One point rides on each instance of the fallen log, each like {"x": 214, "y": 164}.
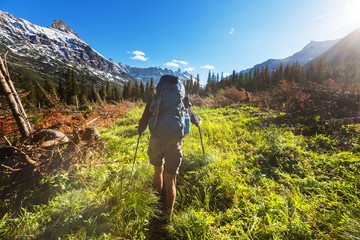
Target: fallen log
{"x": 8, "y": 89}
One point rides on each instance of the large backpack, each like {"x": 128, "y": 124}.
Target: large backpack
{"x": 167, "y": 124}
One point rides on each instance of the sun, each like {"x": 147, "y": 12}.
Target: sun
{"x": 351, "y": 13}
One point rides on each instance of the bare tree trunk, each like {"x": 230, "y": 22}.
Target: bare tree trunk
{"x": 14, "y": 101}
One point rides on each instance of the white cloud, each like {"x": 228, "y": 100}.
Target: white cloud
{"x": 172, "y": 64}
{"x": 324, "y": 16}
{"x": 232, "y": 30}
{"x": 181, "y": 62}
{"x": 139, "y": 56}
{"x": 176, "y": 63}
{"x": 208, "y": 67}
{"x": 139, "y": 53}
{"x": 189, "y": 69}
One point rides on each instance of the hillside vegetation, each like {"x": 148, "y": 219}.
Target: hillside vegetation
{"x": 265, "y": 182}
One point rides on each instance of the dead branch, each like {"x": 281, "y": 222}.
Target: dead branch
{"x": 7, "y": 140}
{"x": 9, "y": 168}
{"x": 7, "y": 87}
{"x": 46, "y": 94}
{"x": 27, "y": 157}
{"x": 90, "y": 122}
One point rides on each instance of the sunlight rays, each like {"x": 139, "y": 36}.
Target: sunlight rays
{"x": 350, "y": 13}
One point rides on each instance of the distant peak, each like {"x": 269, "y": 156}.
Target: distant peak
{"x": 326, "y": 44}
{"x": 62, "y": 26}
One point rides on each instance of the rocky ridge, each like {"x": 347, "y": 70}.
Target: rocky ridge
{"x": 57, "y": 46}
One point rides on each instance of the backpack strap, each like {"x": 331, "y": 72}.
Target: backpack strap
{"x": 158, "y": 106}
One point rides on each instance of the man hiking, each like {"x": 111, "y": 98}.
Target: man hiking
{"x": 165, "y": 115}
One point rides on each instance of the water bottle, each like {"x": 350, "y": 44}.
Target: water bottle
{"x": 187, "y": 124}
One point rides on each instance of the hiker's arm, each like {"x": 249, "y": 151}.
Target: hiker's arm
{"x": 194, "y": 118}
{"x": 145, "y": 118}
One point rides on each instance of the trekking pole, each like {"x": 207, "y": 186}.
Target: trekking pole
{"x": 202, "y": 145}
{"x": 132, "y": 170}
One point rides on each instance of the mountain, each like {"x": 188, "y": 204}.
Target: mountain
{"x": 346, "y": 50}
{"x": 63, "y": 27}
{"x": 54, "y": 49}
{"x": 308, "y": 53}
{"x": 145, "y": 74}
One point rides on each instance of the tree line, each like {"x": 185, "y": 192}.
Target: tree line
{"x": 265, "y": 79}
{"x": 72, "y": 88}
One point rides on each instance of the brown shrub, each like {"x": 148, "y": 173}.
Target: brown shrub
{"x": 235, "y": 95}
{"x": 196, "y": 100}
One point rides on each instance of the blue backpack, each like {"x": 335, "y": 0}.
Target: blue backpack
{"x": 167, "y": 124}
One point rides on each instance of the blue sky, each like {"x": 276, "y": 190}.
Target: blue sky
{"x": 220, "y": 35}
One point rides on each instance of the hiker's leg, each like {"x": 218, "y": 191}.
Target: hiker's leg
{"x": 156, "y": 155}
{"x": 158, "y": 177}
{"x": 170, "y": 185}
{"x": 173, "y": 158}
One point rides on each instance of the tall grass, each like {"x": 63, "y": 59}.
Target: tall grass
{"x": 264, "y": 183}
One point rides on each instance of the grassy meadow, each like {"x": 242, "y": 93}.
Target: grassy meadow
{"x": 265, "y": 181}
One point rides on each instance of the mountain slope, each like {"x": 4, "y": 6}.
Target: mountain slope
{"x": 308, "y": 53}
{"x": 145, "y": 74}
{"x": 348, "y": 49}
{"x": 53, "y": 49}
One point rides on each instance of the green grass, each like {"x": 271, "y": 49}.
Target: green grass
{"x": 265, "y": 183}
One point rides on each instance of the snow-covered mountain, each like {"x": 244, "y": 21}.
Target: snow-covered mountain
{"x": 145, "y": 74}
{"x": 58, "y": 47}
{"x": 308, "y": 53}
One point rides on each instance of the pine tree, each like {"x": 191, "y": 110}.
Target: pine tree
{"x": 72, "y": 88}
{"x": 95, "y": 97}
{"x": 31, "y": 96}
{"x": 47, "y": 84}
{"x": 197, "y": 85}
{"x": 233, "y": 79}
{"x": 68, "y": 86}
{"x": 116, "y": 94}
{"x": 267, "y": 78}
{"x": 250, "y": 76}
{"x": 61, "y": 89}
{"x": 135, "y": 91}
{"x": 147, "y": 92}
{"x": 46, "y": 96}
{"x": 287, "y": 72}
{"x": 281, "y": 72}
{"x": 84, "y": 92}
{"x": 152, "y": 87}
{"x": 50, "y": 89}
{"x": 39, "y": 96}
{"x": 126, "y": 90}
{"x": 102, "y": 92}
{"x": 74, "y": 84}
{"x": 255, "y": 79}
{"x": 241, "y": 82}
{"x": 208, "y": 87}
{"x": 320, "y": 71}
{"x": 246, "y": 78}
{"x": 142, "y": 91}
{"x": 20, "y": 81}
{"x": 108, "y": 92}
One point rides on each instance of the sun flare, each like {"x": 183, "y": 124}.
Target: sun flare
{"x": 351, "y": 12}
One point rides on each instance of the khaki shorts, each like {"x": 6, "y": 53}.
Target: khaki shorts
{"x": 168, "y": 154}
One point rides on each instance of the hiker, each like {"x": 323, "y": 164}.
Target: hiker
{"x": 165, "y": 116}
